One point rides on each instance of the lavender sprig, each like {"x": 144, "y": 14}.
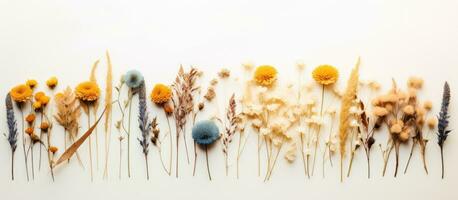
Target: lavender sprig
{"x": 144, "y": 125}
{"x": 443, "y": 118}
{"x": 12, "y": 130}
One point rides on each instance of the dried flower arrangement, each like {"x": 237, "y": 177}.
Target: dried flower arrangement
{"x": 283, "y": 121}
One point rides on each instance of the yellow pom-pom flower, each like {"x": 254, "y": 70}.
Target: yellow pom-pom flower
{"x": 52, "y": 82}
{"x": 21, "y": 93}
{"x": 42, "y": 98}
{"x": 325, "y": 74}
{"x": 161, "y": 94}
{"x": 36, "y": 105}
{"x": 87, "y": 91}
{"x": 31, "y": 83}
{"x": 265, "y": 75}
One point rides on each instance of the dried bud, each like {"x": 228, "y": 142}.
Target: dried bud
{"x": 168, "y": 108}
{"x": 44, "y": 126}
{"x": 201, "y": 106}
{"x": 53, "y": 149}
{"x": 30, "y": 118}
{"x": 210, "y": 94}
{"x": 29, "y": 131}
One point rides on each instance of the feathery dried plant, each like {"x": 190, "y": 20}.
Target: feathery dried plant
{"x": 183, "y": 103}
{"x": 12, "y": 130}
{"x": 443, "y": 131}
{"x": 67, "y": 115}
{"x": 108, "y": 113}
{"x": 144, "y": 124}
{"x": 347, "y": 101}
{"x": 230, "y": 129}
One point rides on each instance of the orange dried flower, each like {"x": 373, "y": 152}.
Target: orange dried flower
{"x": 87, "y": 91}
{"x": 52, "y": 82}
{"x": 29, "y": 131}
{"x": 21, "y": 93}
{"x": 161, "y": 94}
{"x": 265, "y": 75}
{"x": 31, "y": 83}
{"x": 53, "y": 149}
{"x": 325, "y": 74}
{"x": 30, "y": 118}
{"x": 44, "y": 126}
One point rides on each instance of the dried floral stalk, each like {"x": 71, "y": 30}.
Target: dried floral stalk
{"x": 443, "y": 131}
{"x": 12, "y": 130}
{"x": 95, "y": 106}
{"x": 108, "y": 114}
{"x": 144, "y": 125}
{"x": 347, "y": 101}
{"x": 183, "y": 88}
{"x": 156, "y": 141}
{"x": 230, "y": 129}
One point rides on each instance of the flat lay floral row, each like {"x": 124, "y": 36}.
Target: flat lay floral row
{"x": 286, "y": 120}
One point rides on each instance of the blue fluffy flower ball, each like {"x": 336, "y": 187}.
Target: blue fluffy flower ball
{"x": 133, "y": 78}
{"x": 205, "y": 132}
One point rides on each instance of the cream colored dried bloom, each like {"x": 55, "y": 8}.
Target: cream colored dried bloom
{"x": 291, "y": 153}
{"x": 264, "y": 131}
{"x": 373, "y": 85}
{"x": 248, "y": 66}
{"x": 300, "y": 65}
{"x": 396, "y": 128}
{"x": 214, "y": 82}
{"x": 354, "y": 123}
{"x": 431, "y": 122}
{"x": 224, "y": 73}
{"x": 210, "y": 95}
{"x": 380, "y": 111}
{"x": 415, "y": 82}
{"x": 408, "y": 110}
{"x": 428, "y": 105}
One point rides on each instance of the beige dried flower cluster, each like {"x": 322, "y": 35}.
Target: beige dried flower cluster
{"x": 272, "y": 115}
{"x": 404, "y": 115}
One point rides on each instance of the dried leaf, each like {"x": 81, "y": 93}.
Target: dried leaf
{"x": 74, "y": 147}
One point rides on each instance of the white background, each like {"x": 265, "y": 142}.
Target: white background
{"x": 395, "y": 39}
